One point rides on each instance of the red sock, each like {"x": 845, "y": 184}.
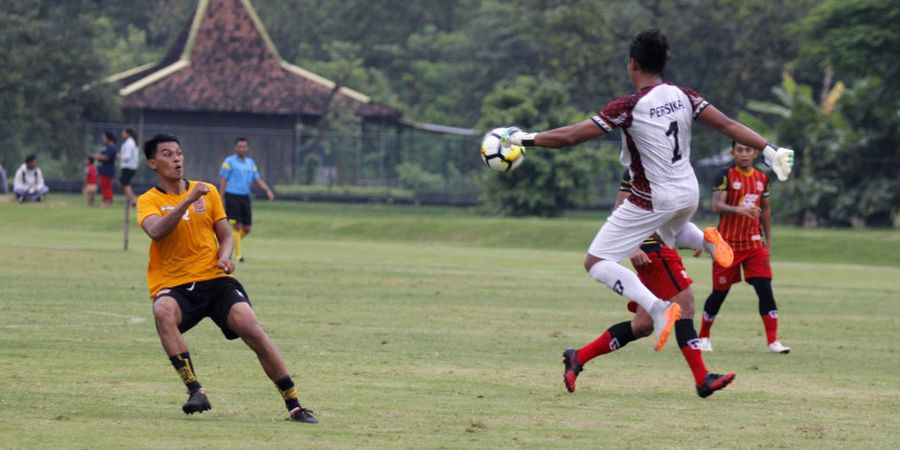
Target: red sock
{"x": 614, "y": 338}
{"x": 694, "y": 358}
{"x": 705, "y": 326}
{"x": 770, "y": 322}
{"x": 600, "y": 346}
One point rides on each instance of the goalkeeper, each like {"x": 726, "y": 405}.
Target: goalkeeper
{"x": 656, "y": 122}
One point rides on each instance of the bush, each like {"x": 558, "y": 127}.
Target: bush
{"x": 550, "y": 180}
{"x": 413, "y": 177}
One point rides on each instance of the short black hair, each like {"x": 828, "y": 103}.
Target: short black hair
{"x": 110, "y": 136}
{"x": 30, "y": 158}
{"x": 131, "y": 133}
{"x": 89, "y": 158}
{"x": 734, "y": 146}
{"x": 151, "y": 145}
{"x": 241, "y": 139}
{"x": 650, "y": 49}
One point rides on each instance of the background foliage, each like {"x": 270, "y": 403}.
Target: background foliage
{"x": 448, "y": 61}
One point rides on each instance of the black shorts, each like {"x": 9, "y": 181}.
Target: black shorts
{"x": 127, "y": 175}
{"x": 237, "y": 208}
{"x": 211, "y": 298}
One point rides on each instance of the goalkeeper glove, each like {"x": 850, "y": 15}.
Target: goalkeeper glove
{"x": 781, "y": 160}
{"x": 515, "y": 136}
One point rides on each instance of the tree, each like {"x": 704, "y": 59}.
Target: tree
{"x": 549, "y": 181}
{"x": 46, "y": 81}
{"x": 857, "y": 38}
{"x": 831, "y": 182}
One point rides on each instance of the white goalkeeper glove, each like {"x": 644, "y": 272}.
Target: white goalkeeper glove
{"x": 781, "y": 160}
{"x": 515, "y": 136}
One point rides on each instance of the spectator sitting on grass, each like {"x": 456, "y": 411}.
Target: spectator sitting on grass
{"x": 29, "y": 182}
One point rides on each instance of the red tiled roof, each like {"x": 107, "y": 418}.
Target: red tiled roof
{"x": 225, "y": 62}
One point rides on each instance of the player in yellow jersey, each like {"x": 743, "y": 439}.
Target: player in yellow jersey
{"x": 188, "y": 275}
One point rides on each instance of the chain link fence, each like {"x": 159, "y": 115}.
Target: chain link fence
{"x": 399, "y": 165}
{"x": 395, "y": 164}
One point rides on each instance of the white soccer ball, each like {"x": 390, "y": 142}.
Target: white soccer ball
{"x": 498, "y": 157}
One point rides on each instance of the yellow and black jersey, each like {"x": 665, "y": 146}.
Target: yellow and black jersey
{"x": 190, "y": 252}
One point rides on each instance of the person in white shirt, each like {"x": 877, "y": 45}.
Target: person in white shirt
{"x": 29, "y": 181}
{"x": 128, "y": 158}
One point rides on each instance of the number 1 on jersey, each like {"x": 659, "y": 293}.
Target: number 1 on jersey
{"x": 673, "y": 131}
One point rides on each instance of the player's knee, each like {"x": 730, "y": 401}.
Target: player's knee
{"x": 242, "y": 321}
{"x": 589, "y": 262}
{"x": 250, "y": 332}
{"x": 165, "y": 311}
{"x": 246, "y": 230}
{"x": 685, "y": 299}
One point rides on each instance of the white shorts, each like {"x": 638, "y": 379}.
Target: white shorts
{"x": 629, "y": 225}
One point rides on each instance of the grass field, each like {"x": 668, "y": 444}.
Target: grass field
{"x": 434, "y": 328}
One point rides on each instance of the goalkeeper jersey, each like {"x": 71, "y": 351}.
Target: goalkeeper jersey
{"x": 656, "y": 132}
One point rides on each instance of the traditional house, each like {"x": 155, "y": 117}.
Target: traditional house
{"x": 222, "y": 78}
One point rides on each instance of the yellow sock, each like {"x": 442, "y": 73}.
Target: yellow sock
{"x": 236, "y": 252}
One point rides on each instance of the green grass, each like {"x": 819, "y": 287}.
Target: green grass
{"x": 343, "y": 190}
{"x": 433, "y": 328}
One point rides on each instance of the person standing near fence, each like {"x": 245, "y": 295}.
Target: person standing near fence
{"x": 236, "y": 178}
{"x": 128, "y": 159}
{"x": 107, "y": 169}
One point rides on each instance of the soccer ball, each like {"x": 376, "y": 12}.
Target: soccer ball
{"x": 498, "y": 157}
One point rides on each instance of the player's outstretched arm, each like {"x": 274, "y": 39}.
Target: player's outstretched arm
{"x": 738, "y": 132}
{"x": 158, "y": 227}
{"x": 780, "y": 159}
{"x": 566, "y": 136}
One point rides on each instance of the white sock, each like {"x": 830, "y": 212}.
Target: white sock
{"x": 625, "y": 283}
{"x": 690, "y": 236}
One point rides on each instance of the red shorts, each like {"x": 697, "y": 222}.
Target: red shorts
{"x": 755, "y": 262}
{"x": 106, "y": 188}
{"x": 665, "y": 275}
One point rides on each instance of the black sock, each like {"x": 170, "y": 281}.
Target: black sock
{"x": 288, "y": 392}
{"x": 685, "y": 332}
{"x": 622, "y": 333}
{"x": 714, "y": 302}
{"x": 763, "y": 287}
{"x": 185, "y": 369}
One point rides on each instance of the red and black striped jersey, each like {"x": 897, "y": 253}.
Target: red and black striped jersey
{"x": 742, "y": 189}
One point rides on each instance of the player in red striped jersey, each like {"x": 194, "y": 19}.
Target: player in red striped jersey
{"x": 741, "y": 197}
{"x": 660, "y": 268}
